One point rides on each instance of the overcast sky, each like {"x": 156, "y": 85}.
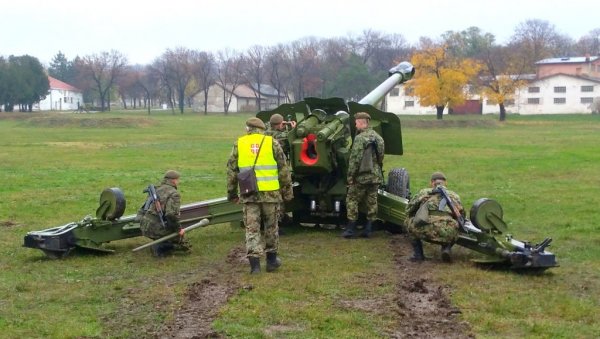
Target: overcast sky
{"x": 143, "y": 29}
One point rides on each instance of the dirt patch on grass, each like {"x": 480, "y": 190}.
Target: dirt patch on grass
{"x": 8, "y": 223}
{"x": 89, "y": 122}
{"x": 424, "y": 308}
{"x": 204, "y": 299}
{"x": 420, "y": 305}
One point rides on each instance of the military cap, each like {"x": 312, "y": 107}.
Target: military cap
{"x": 276, "y": 119}
{"x": 172, "y": 174}
{"x": 362, "y": 115}
{"x": 438, "y": 176}
{"x": 255, "y": 122}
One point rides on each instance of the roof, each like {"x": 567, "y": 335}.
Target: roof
{"x": 57, "y": 84}
{"x": 567, "y": 60}
{"x": 582, "y": 77}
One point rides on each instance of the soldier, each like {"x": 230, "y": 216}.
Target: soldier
{"x": 278, "y": 129}
{"x": 427, "y": 221}
{"x": 170, "y": 203}
{"x": 364, "y": 174}
{"x": 259, "y": 151}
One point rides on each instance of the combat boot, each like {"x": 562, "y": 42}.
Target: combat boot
{"x": 366, "y": 233}
{"x": 418, "y": 255}
{"x": 446, "y": 252}
{"x": 254, "y": 265}
{"x": 349, "y": 232}
{"x": 273, "y": 262}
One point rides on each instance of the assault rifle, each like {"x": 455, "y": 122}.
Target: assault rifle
{"x": 154, "y": 200}
{"x": 447, "y": 201}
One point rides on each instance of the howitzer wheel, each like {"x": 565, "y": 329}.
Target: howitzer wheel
{"x": 399, "y": 182}
{"x": 487, "y": 215}
{"x": 112, "y": 204}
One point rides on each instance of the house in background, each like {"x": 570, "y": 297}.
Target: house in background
{"x": 243, "y": 99}
{"x": 560, "y": 85}
{"x": 61, "y": 97}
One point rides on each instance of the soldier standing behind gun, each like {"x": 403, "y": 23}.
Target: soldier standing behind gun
{"x": 272, "y": 173}
{"x": 278, "y": 129}
{"x": 364, "y": 174}
{"x": 429, "y": 218}
{"x": 170, "y": 203}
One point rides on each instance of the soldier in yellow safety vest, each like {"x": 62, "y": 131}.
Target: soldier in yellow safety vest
{"x": 259, "y": 152}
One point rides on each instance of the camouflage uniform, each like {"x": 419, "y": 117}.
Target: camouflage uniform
{"x": 170, "y": 201}
{"x": 442, "y": 228}
{"x": 362, "y": 186}
{"x": 282, "y": 139}
{"x": 261, "y": 206}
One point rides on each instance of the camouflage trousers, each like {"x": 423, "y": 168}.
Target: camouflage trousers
{"x": 254, "y": 214}
{"x": 439, "y": 230}
{"x": 152, "y": 228}
{"x": 365, "y": 193}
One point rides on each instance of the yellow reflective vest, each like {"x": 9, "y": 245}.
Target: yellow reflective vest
{"x": 267, "y": 176}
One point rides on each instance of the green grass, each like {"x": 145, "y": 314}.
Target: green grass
{"x": 543, "y": 170}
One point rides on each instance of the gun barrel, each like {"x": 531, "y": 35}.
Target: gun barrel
{"x": 200, "y": 223}
{"x": 397, "y": 75}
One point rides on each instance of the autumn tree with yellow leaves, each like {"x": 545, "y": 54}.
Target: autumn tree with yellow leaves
{"x": 502, "y": 76}
{"x": 441, "y": 79}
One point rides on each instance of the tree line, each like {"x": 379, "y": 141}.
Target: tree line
{"x": 347, "y": 67}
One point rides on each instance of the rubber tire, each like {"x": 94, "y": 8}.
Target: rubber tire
{"x": 399, "y": 183}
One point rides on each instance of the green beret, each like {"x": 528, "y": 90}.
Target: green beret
{"x": 362, "y": 115}
{"x": 276, "y": 119}
{"x": 171, "y": 174}
{"x": 438, "y": 176}
{"x": 256, "y": 123}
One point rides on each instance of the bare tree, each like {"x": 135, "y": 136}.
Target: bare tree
{"x": 590, "y": 43}
{"x": 204, "y": 74}
{"x": 277, "y": 67}
{"x": 178, "y": 66}
{"x": 104, "y": 69}
{"x": 255, "y": 69}
{"x": 304, "y": 55}
{"x": 536, "y": 40}
{"x": 229, "y": 74}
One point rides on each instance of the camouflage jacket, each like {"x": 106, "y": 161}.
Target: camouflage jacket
{"x": 282, "y": 138}
{"x": 425, "y": 196}
{"x": 361, "y": 141}
{"x": 170, "y": 202}
{"x": 285, "y": 180}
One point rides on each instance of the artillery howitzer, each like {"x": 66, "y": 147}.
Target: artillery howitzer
{"x": 319, "y": 152}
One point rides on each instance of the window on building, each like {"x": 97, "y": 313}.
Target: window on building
{"x": 587, "y": 88}
{"x": 533, "y": 101}
{"x": 66, "y": 100}
{"x": 409, "y": 103}
{"x": 490, "y": 102}
{"x": 509, "y": 102}
{"x": 395, "y": 92}
{"x": 587, "y": 100}
{"x": 560, "y": 100}
{"x": 560, "y": 89}
{"x": 533, "y": 89}
{"x": 408, "y": 91}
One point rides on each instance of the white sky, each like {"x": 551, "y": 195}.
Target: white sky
{"x": 143, "y": 29}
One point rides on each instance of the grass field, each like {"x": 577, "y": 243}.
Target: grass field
{"x": 543, "y": 170}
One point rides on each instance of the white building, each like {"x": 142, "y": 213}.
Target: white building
{"x": 561, "y": 86}
{"x": 61, "y": 97}
{"x": 243, "y": 99}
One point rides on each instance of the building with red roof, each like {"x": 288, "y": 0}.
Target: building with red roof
{"x": 61, "y": 97}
